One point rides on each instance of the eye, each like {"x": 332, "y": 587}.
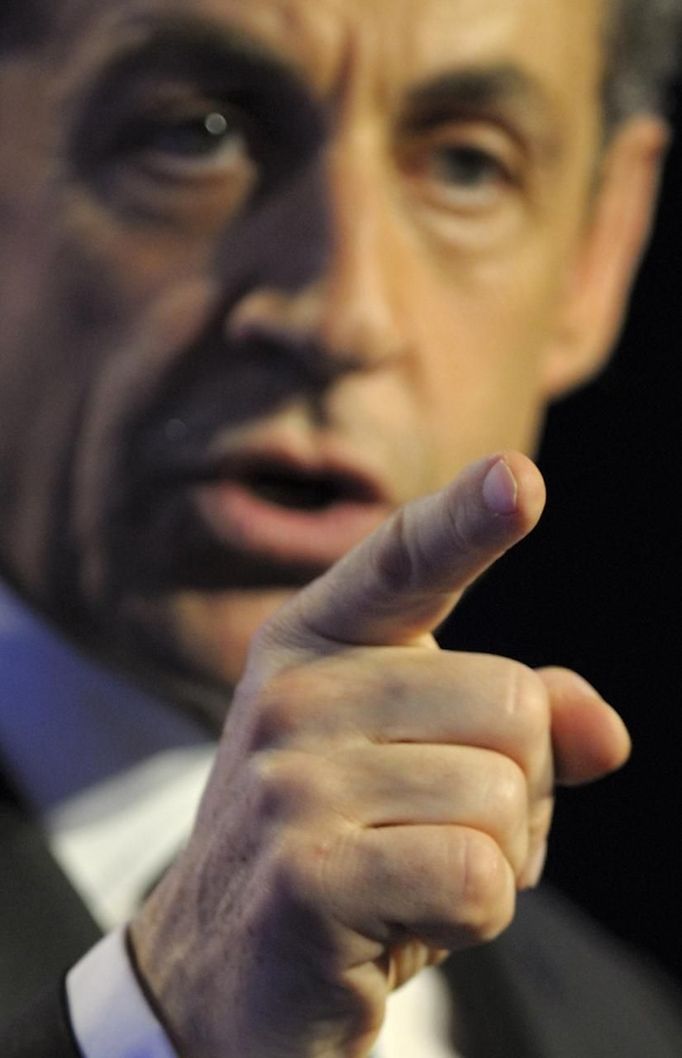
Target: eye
{"x": 465, "y": 167}
{"x": 190, "y": 139}
{"x": 470, "y": 169}
{"x": 212, "y": 139}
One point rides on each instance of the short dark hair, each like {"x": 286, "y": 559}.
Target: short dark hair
{"x": 642, "y": 56}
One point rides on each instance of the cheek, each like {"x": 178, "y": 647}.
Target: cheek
{"x": 120, "y": 267}
{"x": 92, "y": 319}
{"x": 129, "y": 300}
{"x": 481, "y": 337}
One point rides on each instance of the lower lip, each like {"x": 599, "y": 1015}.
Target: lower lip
{"x": 241, "y": 520}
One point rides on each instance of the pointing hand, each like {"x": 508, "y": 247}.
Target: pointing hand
{"x": 375, "y": 801}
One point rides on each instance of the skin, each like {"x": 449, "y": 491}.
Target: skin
{"x": 425, "y": 245}
{"x": 423, "y": 304}
{"x": 375, "y": 802}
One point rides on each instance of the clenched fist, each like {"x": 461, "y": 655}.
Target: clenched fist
{"x": 375, "y": 801}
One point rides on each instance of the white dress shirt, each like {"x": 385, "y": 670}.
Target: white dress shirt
{"x": 117, "y": 776}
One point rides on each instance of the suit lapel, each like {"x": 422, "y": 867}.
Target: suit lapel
{"x": 44, "y": 926}
{"x": 488, "y": 1021}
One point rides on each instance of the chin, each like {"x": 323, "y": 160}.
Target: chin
{"x": 189, "y": 647}
{"x": 215, "y": 630}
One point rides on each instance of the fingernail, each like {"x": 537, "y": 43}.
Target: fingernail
{"x": 500, "y": 489}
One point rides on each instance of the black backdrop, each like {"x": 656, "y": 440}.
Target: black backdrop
{"x": 597, "y": 587}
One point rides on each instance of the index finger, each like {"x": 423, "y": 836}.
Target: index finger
{"x": 403, "y": 580}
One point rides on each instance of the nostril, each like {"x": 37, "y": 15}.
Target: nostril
{"x": 317, "y": 364}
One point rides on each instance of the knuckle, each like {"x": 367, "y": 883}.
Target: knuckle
{"x": 487, "y": 887}
{"x": 283, "y": 706}
{"x": 327, "y": 868}
{"x": 295, "y": 874}
{"x": 482, "y": 868}
{"x": 510, "y": 797}
{"x": 527, "y": 704}
{"x": 296, "y": 860}
{"x": 288, "y": 784}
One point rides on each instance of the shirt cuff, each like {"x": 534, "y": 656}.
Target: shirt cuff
{"x": 110, "y": 1016}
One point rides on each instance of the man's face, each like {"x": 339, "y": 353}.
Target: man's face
{"x": 269, "y": 269}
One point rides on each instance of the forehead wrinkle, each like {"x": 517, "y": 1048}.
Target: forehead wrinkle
{"x": 367, "y": 61}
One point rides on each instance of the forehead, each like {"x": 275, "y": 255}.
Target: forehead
{"x": 382, "y": 44}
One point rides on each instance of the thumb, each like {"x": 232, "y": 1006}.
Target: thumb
{"x": 402, "y": 581}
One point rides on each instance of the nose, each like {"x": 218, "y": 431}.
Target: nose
{"x": 341, "y": 313}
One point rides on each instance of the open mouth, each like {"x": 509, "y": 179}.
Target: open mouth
{"x": 302, "y": 491}
{"x": 278, "y": 508}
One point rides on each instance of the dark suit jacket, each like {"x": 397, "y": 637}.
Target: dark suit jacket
{"x": 44, "y": 929}
{"x": 553, "y": 986}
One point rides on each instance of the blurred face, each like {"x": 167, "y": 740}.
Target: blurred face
{"x": 270, "y": 268}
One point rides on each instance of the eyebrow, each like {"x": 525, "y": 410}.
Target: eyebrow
{"x": 173, "y": 38}
{"x": 184, "y": 45}
{"x": 221, "y": 58}
{"x": 504, "y": 88}
{"x": 181, "y": 44}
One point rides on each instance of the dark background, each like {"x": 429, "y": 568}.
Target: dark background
{"x": 597, "y": 587}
